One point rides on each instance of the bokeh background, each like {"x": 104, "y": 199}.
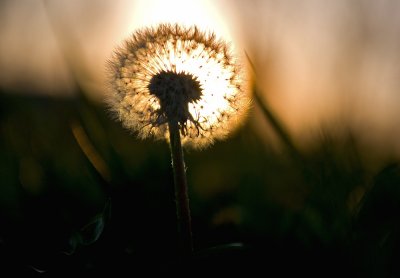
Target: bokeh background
{"x": 310, "y": 182}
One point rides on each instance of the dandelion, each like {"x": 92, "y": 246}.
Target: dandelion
{"x": 182, "y": 85}
{"x": 176, "y": 73}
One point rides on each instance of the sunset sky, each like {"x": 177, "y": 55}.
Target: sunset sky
{"x": 317, "y": 62}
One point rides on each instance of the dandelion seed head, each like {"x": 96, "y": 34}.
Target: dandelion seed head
{"x": 173, "y": 73}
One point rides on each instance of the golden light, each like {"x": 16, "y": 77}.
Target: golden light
{"x": 212, "y": 74}
{"x": 181, "y": 73}
{"x": 201, "y": 13}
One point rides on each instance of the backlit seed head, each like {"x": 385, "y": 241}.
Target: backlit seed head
{"x": 172, "y": 73}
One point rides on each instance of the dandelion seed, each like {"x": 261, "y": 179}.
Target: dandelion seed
{"x": 171, "y": 73}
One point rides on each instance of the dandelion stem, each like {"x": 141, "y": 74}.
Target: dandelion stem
{"x": 181, "y": 191}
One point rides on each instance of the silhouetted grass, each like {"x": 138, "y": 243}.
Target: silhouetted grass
{"x": 337, "y": 215}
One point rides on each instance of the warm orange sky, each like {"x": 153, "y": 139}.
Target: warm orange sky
{"x": 33, "y": 31}
{"x": 317, "y": 61}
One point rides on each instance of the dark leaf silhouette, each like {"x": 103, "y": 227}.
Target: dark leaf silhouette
{"x": 90, "y": 232}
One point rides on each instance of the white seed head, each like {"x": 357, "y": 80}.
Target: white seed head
{"x": 173, "y": 73}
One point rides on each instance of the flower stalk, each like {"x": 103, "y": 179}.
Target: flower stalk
{"x": 178, "y": 83}
{"x": 181, "y": 191}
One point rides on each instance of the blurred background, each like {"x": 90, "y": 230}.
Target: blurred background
{"x": 311, "y": 180}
